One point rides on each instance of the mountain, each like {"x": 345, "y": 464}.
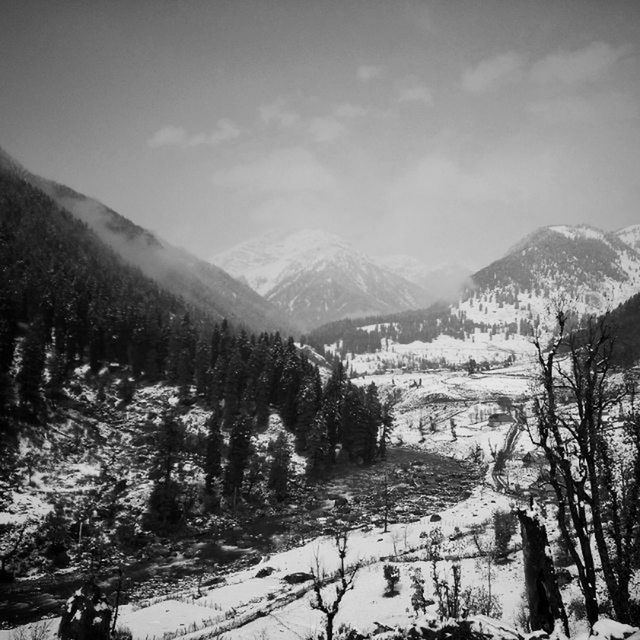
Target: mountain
{"x": 579, "y": 267}
{"x": 584, "y": 268}
{"x": 318, "y": 277}
{"x": 441, "y": 283}
{"x": 201, "y": 284}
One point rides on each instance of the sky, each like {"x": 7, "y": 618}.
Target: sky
{"x": 443, "y": 130}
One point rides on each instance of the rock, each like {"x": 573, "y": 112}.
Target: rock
{"x": 340, "y": 501}
{"x": 435, "y": 517}
{"x": 298, "y": 577}
{"x": 264, "y": 572}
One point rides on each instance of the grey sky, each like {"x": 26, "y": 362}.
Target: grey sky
{"x": 445, "y": 130}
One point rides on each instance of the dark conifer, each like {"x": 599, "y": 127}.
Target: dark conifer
{"x": 239, "y": 452}
{"x": 279, "y": 469}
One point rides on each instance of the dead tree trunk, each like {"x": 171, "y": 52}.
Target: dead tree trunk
{"x": 543, "y": 594}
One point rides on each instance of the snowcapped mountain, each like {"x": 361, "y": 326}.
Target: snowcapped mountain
{"x": 586, "y": 269}
{"x": 441, "y": 283}
{"x": 318, "y": 277}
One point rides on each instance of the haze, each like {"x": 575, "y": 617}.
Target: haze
{"x": 445, "y": 130}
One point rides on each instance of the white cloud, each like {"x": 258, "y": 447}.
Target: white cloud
{"x": 440, "y": 183}
{"x": 582, "y": 65}
{"x": 291, "y": 169}
{"x": 277, "y": 112}
{"x": 171, "y": 136}
{"x": 596, "y": 109}
{"x": 349, "y": 111}
{"x": 325, "y": 129}
{"x": 367, "y": 72}
{"x": 416, "y": 93}
{"x": 492, "y": 72}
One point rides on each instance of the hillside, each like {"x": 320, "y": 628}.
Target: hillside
{"x": 199, "y": 283}
{"x": 317, "y": 277}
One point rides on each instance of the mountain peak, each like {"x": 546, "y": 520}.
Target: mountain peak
{"x": 318, "y": 276}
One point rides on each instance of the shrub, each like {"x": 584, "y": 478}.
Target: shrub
{"x": 418, "y": 601}
{"x": 504, "y": 526}
{"x": 392, "y": 576}
{"x": 478, "y": 602}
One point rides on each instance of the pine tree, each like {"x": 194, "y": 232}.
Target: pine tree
{"x": 239, "y": 452}
{"x": 7, "y": 349}
{"x": 332, "y": 405}
{"x": 320, "y": 454}
{"x": 374, "y": 421}
{"x": 212, "y": 466}
{"x": 289, "y": 386}
{"x": 169, "y": 447}
{"x": 202, "y": 366}
{"x": 233, "y": 388}
{"x": 165, "y": 510}
{"x": 262, "y": 396}
{"x": 307, "y": 407}
{"x": 31, "y": 371}
{"x": 280, "y": 467}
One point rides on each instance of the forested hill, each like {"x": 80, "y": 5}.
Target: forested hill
{"x": 60, "y": 285}
{"x": 206, "y": 287}
{"x": 626, "y": 326}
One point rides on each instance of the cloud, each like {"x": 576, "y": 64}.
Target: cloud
{"x": 286, "y": 170}
{"x": 368, "y": 72}
{"x": 492, "y": 72}
{"x": 416, "y": 93}
{"x": 277, "y": 112}
{"x": 325, "y": 129}
{"x": 349, "y": 111}
{"x": 171, "y": 136}
{"x": 596, "y": 109}
{"x": 574, "y": 67}
{"x": 441, "y": 183}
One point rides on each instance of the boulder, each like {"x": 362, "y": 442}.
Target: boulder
{"x": 298, "y": 577}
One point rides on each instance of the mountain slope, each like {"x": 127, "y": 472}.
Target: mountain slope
{"x": 441, "y": 283}
{"x": 318, "y": 277}
{"x": 201, "y": 284}
{"x": 582, "y": 267}
{"x": 630, "y": 235}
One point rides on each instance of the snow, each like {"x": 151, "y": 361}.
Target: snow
{"x": 267, "y": 261}
{"x": 578, "y": 231}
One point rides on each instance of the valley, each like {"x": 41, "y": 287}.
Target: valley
{"x": 427, "y": 475}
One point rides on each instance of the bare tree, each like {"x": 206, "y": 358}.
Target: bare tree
{"x": 574, "y": 431}
{"x": 345, "y": 577}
